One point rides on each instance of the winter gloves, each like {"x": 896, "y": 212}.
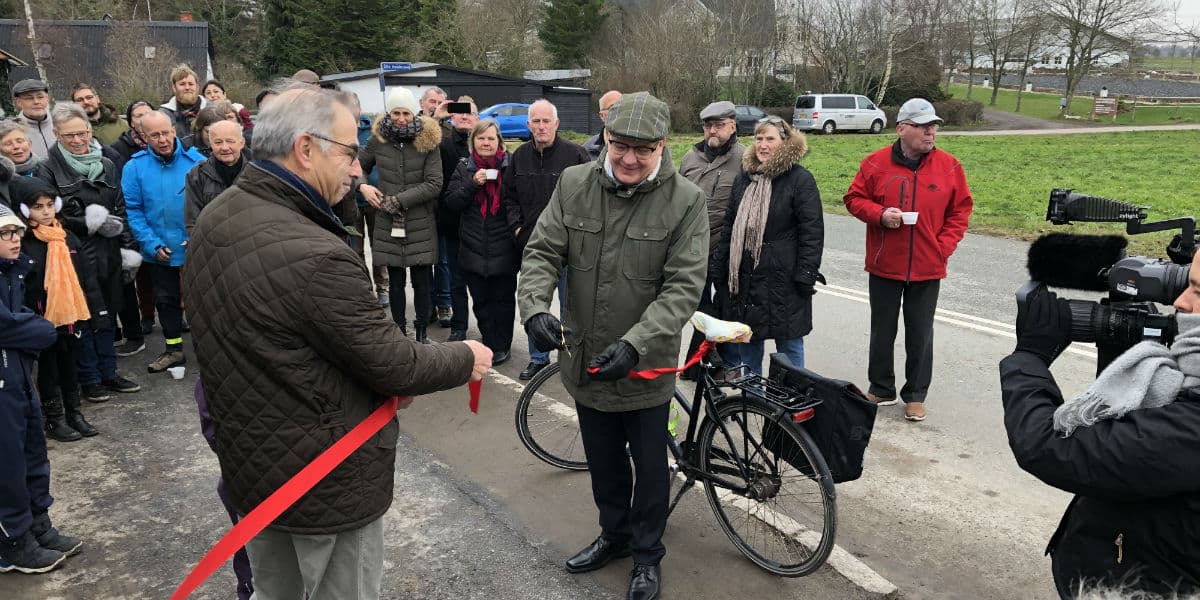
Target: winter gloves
{"x": 1043, "y": 324}
{"x": 546, "y": 332}
{"x": 614, "y": 363}
{"x": 100, "y": 222}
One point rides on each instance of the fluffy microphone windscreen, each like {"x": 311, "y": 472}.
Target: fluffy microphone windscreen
{"x": 1074, "y": 261}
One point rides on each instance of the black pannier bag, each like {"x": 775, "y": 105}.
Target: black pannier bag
{"x": 840, "y": 426}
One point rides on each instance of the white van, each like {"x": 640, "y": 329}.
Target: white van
{"x": 837, "y": 112}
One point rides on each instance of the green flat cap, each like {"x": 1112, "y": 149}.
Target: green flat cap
{"x": 639, "y": 116}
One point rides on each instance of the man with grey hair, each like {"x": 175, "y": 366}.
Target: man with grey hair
{"x": 294, "y": 351}
{"x": 153, "y": 182}
{"x": 207, "y": 180}
{"x": 31, "y": 97}
{"x": 528, "y": 183}
{"x": 431, "y": 103}
{"x": 596, "y": 143}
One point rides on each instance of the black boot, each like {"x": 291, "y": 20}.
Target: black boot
{"x": 420, "y": 333}
{"x": 57, "y": 428}
{"x": 24, "y": 555}
{"x": 75, "y": 416}
{"x": 49, "y": 537}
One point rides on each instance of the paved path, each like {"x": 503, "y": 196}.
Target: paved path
{"x": 1075, "y": 130}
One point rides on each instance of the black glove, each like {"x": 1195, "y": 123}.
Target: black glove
{"x": 615, "y": 362}
{"x": 546, "y": 332}
{"x": 1043, "y": 324}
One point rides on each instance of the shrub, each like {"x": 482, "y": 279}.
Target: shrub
{"x": 952, "y": 112}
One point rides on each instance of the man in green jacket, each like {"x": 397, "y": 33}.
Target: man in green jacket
{"x": 632, "y": 235}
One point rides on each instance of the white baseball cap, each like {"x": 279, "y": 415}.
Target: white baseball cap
{"x": 918, "y": 111}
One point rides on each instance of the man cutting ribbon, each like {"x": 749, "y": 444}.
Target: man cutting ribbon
{"x": 295, "y": 351}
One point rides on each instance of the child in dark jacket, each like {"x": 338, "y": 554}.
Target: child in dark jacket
{"x": 28, "y": 541}
{"x": 62, "y": 286}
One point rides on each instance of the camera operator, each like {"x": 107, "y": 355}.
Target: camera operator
{"x": 1128, "y": 448}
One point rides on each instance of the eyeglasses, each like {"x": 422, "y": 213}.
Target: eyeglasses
{"x": 778, "y": 122}
{"x": 76, "y": 135}
{"x": 716, "y": 123}
{"x": 620, "y": 149}
{"x": 79, "y": 99}
{"x": 158, "y": 135}
{"x": 353, "y": 148}
{"x": 11, "y": 234}
{"x": 927, "y": 126}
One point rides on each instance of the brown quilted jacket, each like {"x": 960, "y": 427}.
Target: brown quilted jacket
{"x": 294, "y": 350}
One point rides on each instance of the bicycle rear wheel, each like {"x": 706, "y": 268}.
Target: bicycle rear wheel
{"x": 547, "y": 427}
{"x": 786, "y": 518}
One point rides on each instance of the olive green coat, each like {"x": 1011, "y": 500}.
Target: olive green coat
{"x": 412, "y": 173}
{"x": 635, "y": 263}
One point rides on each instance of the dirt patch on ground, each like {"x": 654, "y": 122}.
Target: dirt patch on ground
{"x": 998, "y": 120}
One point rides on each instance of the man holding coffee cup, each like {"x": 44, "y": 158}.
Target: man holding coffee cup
{"x": 916, "y": 203}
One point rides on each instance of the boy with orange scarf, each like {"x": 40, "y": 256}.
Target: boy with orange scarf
{"x": 63, "y": 288}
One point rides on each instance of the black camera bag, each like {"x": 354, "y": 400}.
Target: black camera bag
{"x": 840, "y": 426}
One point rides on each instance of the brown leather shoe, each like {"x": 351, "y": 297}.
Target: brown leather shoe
{"x": 879, "y": 401}
{"x": 914, "y": 411}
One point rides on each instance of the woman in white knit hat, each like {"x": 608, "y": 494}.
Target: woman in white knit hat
{"x": 404, "y": 147}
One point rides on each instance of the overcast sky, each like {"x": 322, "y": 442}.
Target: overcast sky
{"x": 1189, "y": 10}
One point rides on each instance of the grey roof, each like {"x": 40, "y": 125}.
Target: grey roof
{"x": 78, "y": 48}
{"x": 557, "y": 74}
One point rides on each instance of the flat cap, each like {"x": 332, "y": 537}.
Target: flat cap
{"x": 639, "y": 116}
{"x": 307, "y": 76}
{"x": 29, "y": 85}
{"x": 718, "y": 110}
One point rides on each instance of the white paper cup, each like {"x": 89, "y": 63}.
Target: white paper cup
{"x": 177, "y": 372}
{"x": 908, "y": 218}
{"x": 491, "y": 174}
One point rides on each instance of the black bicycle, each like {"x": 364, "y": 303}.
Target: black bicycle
{"x": 765, "y": 479}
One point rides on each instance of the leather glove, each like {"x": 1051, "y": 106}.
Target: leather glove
{"x": 614, "y": 363}
{"x": 546, "y": 332}
{"x": 111, "y": 227}
{"x": 1043, "y": 324}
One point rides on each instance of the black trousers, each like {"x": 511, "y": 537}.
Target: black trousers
{"x": 58, "y": 377}
{"x": 167, "y": 295}
{"x": 422, "y": 282}
{"x": 131, "y": 324}
{"x": 632, "y": 511}
{"x": 495, "y": 308}
{"x": 919, "y": 302}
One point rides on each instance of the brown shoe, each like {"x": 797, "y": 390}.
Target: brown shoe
{"x": 914, "y": 411}
{"x": 165, "y": 361}
{"x": 880, "y": 401}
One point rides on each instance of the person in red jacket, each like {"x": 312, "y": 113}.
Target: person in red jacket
{"x": 915, "y": 201}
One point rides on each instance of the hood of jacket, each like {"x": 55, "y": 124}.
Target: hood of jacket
{"x": 426, "y": 141}
{"x": 172, "y": 104}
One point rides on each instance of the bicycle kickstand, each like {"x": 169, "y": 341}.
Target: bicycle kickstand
{"x": 687, "y": 485}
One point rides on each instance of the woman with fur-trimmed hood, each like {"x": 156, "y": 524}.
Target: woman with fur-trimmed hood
{"x": 770, "y": 251}
{"x": 404, "y": 147}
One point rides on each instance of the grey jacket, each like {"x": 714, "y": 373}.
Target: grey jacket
{"x": 715, "y": 180}
{"x": 41, "y": 133}
{"x": 412, "y": 173}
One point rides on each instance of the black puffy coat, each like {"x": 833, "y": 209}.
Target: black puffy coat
{"x": 77, "y": 193}
{"x": 530, "y": 178}
{"x": 85, "y": 271}
{"x": 1136, "y": 514}
{"x": 453, "y": 149}
{"x": 775, "y": 297}
{"x": 486, "y": 247}
{"x": 23, "y": 334}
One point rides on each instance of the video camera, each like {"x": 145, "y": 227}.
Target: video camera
{"x": 1098, "y": 263}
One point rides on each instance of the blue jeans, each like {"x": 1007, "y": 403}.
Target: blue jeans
{"x": 751, "y": 353}
{"x": 542, "y": 358}
{"x": 441, "y": 274}
{"x": 97, "y": 358}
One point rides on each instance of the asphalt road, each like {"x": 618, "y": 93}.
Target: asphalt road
{"x": 942, "y": 510}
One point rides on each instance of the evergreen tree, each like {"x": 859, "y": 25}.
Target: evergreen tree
{"x": 439, "y": 32}
{"x": 329, "y": 36}
{"x": 569, "y": 28}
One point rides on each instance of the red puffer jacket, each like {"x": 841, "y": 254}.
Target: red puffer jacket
{"x": 937, "y": 190}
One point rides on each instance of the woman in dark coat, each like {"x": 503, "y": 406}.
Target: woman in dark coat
{"x": 770, "y": 251}
{"x": 487, "y": 252}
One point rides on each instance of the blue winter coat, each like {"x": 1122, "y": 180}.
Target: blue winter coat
{"x": 154, "y": 200}
{"x": 23, "y": 334}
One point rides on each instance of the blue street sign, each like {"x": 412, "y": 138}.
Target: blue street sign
{"x": 395, "y": 67}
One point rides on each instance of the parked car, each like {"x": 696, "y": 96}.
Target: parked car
{"x": 837, "y": 112}
{"x": 513, "y": 118}
{"x": 747, "y": 117}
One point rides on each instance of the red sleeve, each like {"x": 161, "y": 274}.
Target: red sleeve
{"x": 958, "y": 213}
{"x": 859, "y": 200}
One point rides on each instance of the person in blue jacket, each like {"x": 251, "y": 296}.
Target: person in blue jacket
{"x": 153, "y": 183}
{"x": 28, "y": 541}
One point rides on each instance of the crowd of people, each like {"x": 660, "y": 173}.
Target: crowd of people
{"x": 106, "y": 222}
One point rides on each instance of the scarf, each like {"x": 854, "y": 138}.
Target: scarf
{"x": 87, "y": 165}
{"x": 712, "y": 153}
{"x": 1148, "y": 375}
{"x": 750, "y": 223}
{"x": 488, "y": 196}
{"x": 65, "y": 302}
{"x": 28, "y": 166}
{"x": 400, "y": 135}
{"x": 229, "y": 173}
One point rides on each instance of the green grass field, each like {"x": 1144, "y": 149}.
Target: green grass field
{"x": 1045, "y": 106}
{"x": 1176, "y": 63}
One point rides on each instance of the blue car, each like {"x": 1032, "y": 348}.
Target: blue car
{"x": 513, "y": 118}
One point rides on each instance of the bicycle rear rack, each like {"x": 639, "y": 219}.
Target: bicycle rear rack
{"x": 786, "y": 397}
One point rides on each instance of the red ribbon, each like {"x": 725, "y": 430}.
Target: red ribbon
{"x": 270, "y": 509}
{"x": 705, "y": 346}
{"x": 475, "y": 387}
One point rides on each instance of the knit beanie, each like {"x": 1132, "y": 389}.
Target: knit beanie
{"x": 26, "y": 190}
{"x": 8, "y": 218}
{"x": 402, "y": 98}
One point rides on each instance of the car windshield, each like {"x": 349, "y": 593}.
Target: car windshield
{"x": 491, "y": 109}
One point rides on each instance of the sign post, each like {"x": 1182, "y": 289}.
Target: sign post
{"x": 1102, "y": 106}
{"x": 391, "y": 67}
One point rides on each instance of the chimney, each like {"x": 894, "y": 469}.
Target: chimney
{"x": 185, "y": 16}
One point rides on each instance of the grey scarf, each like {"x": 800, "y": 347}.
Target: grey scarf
{"x": 1148, "y": 375}
{"x": 749, "y": 225}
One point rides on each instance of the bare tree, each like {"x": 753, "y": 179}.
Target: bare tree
{"x": 499, "y": 35}
{"x": 896, "y": 26}
{"x": 1091, "y": 30}
{"x": 1032, "y": 30}
{"x": 139, "y": 64}
{"x": 998, "y": 36}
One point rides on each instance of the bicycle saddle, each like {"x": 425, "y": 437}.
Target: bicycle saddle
{"x": 716, "y": 330}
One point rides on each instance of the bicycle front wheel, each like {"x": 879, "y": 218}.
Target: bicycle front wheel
{"x": 782, "y": 510}
{"x": 547, "y": 427}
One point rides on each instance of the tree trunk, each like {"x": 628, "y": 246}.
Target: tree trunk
{"x": 37, "y": 58}
{"x": 887, "y": 66}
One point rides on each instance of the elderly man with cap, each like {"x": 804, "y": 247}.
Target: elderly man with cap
{"x": 915, "y": 201}
{"x": 307, "y": 76}
{"x": 32, "y": 99}
{"x": 634, "y": 234}
{"x": 713, "y": 163}
{"x": 595, "y": 143}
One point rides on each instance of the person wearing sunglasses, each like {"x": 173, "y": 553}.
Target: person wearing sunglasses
{"x": 631, "y": 234}
{"x": 916, "y": 203}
